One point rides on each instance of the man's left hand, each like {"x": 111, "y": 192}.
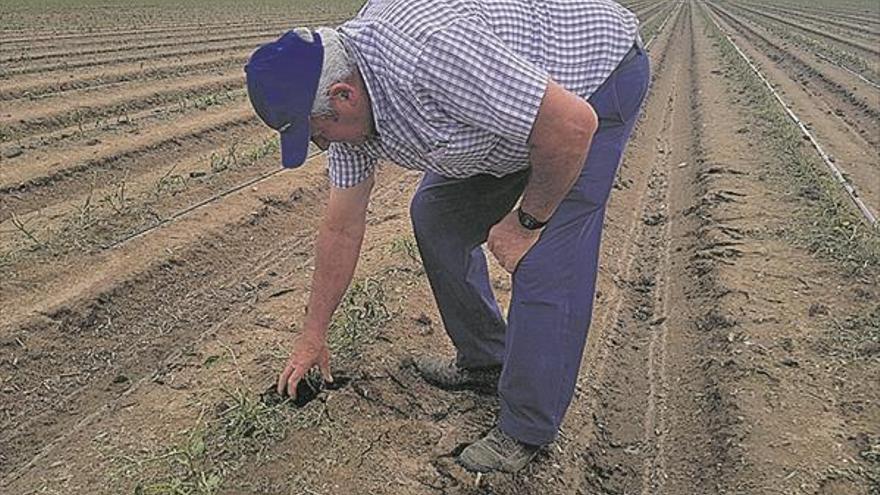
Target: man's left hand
{"x": 509, "y": 241}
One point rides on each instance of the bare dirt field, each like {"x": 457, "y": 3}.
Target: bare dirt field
{"x": 155, "y": 263}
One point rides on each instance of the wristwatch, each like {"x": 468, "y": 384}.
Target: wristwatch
{"x": 529, "y": 222}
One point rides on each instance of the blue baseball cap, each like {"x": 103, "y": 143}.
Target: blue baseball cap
{"x": 282, "y": 79}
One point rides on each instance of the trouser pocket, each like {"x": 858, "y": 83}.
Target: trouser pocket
{"x": 630, "y": 85}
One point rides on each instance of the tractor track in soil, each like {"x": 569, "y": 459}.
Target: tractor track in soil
{"x": 637, "y": 418}
{"x": 846, "y": 123}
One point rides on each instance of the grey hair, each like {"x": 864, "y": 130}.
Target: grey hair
{"x": 338, "y": 66}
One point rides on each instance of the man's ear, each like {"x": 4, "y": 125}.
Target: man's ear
{"x": 342, "y": 92}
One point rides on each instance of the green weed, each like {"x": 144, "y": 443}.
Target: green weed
{"x": 856, "y": 337}
{"x": 170, "y": 183}
{"x": 244, "y": 426}
{"x": 85, "y": 213}
{"x": 231, "y": 157}
{"x": 407, "y": 247}
{"x": 198, "y": 463}
{"x": 28, "y": 232}
{"x": 116, "y": 199}
{"x": 362, "y": 312}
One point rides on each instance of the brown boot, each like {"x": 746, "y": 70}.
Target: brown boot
{"x": 497, "y": 451}
{"x": 446, "y": 374}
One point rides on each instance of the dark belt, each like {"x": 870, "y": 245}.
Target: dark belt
{"x": 636, "y": 49}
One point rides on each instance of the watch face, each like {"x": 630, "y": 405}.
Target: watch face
{"x": 528, "y": 221}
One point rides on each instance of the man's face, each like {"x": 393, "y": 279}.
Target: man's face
{"x": 336, "y": 128}
{"x": 351, "y": 119}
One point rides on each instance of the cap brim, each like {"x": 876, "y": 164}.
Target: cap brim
{"x": 295, "y": 145}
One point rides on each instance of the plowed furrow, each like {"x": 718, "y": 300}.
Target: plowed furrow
{"x": 26, "y": 188}
{"x": 148, "y": 54}
{"x": 70, "y": 224}
{"x": 27, "y": 48}
{"x": 862, "y": 114}
{"x": 836, "y": 12}
{"x": 846, "y": 126}
{"x": 869, "y": 50}
{"x": 37, "y": 86}
{"x": 638, "y": 6}
{"x": 28, "y": 36}
{"x": 108, "y": 322}
{"x": 72, "y": 56}
{"x": 25, "y": 118}
{"x": 824, "y": 20}
{"x": 207, "y": 268}
{"x": 178, "y": 54}
{"x": 863, "y": 70}
{"x": 650, "y": 13}
{"x": 649, "y": 27}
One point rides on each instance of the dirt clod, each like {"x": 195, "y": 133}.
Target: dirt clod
{"x": 307, "y": 390}
{"x": 12, "y": 152}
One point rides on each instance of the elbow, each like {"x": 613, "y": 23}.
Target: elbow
{"x": 581, "y": 124}
{"x": 565, "y": 122}
{"x": 589, "y": 121}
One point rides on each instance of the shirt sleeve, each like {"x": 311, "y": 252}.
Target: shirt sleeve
{"x": 349, "y": 167}
{"x": 476, "y": 79}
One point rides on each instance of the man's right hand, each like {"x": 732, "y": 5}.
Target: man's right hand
{"x": 336, "y": 253}
{"x": 309, "y": 350}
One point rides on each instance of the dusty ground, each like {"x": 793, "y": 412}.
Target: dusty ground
{"x": 155, "y": 265}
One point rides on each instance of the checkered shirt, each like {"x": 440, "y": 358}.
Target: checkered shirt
{"x": 455, "y": 85}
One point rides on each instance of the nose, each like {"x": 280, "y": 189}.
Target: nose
{"x": 320, "y": 142}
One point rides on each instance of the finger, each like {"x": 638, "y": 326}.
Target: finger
{"x": 512, "y": 267}
{"x": 496, "y": 255}
{"x": 502, "y": 260}
{"x": 282, "y": 378}
{"x": 513, "y": 263}
{"x": 324, "y": 365}
{"x": 293, "y": 381}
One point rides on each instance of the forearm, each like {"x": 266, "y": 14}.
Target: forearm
{"x": 554, "y": 172}
{"x": 560, "y": 141}
{"x": 337, "y": 251}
